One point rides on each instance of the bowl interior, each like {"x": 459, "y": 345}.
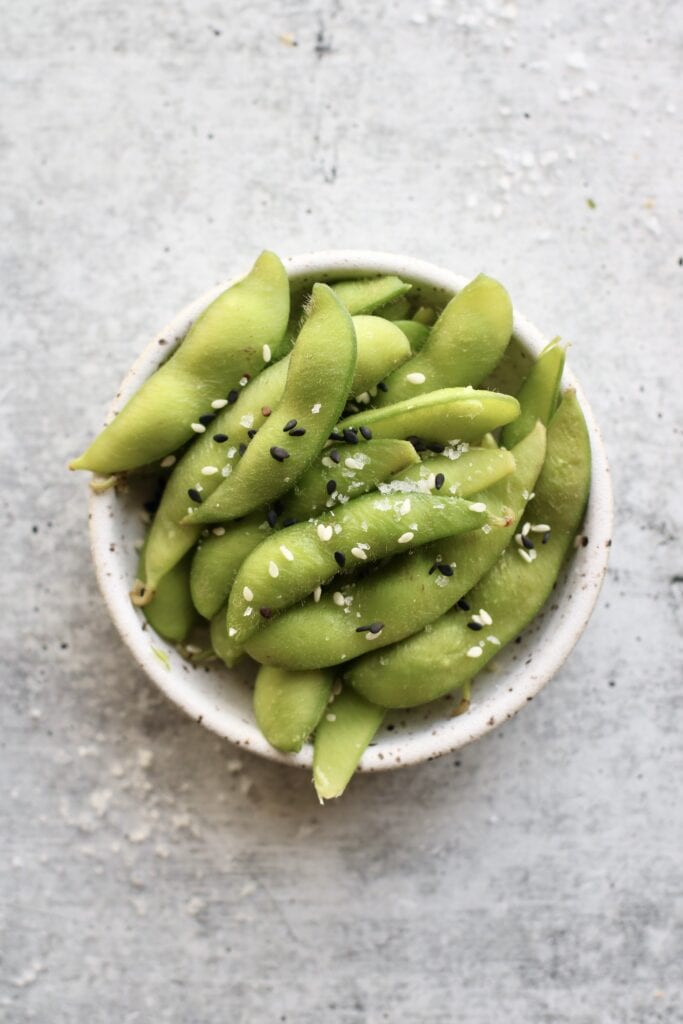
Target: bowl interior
{"x": 221, "y": 698}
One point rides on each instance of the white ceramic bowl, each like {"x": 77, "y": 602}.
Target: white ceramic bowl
{"x": 221, "y": 699}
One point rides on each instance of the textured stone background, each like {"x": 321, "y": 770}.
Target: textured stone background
{"x": 148, "y": 873}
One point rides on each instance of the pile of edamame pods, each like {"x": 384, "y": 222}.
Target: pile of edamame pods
{"x": 344, "y": 502}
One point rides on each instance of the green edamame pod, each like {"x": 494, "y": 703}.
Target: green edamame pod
{"x": 217, "y": 559}
{"x": 172, "y": 613}
{"x": 538, "y": 395}
{"x": 425, "y": 315}
{"x": 214, "y": 454}
{"x": 412, "y": 590}
{"x": 464, "y": 344}
{"x": 222, "y": 643}
{"x": 369, "y": 293}
{"x": 396, "y": 310}
{"x": 289, "y": 705}
{"x": 344, "y": 732}
{"x": 415, "y": 332}
{"x": 320, "y": 373}
{"x": 509, "y": 596}
{"x": 289, "y": 565}
{"x": 440, "y": 416}
{"x": 236, "y": 335}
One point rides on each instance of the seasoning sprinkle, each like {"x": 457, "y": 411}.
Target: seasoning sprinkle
{"x": 335, "y": 436}
{"x": 340, "y": 559}
{"x": 474, "y": 652}
{"x": 194, "y": 494}
{"x": 476, "y": 626}
{"x": 167, "y": 462}
{"x": 338, "y": 598}
{"x": 273, "y": 570}
{"x": 546, "y": 537}
{"x": 352, "y": 463}
{"x": 242, "y": 449}
{"x": 334, "y": 455}
{"x": 493, "y": 640}
{"x": 279, "y": 454}
{"x": 415, "y": 378}
{"x": 367, "y": 433}
{"x": 271, "y": 517}
{"x": 289, "y": 425}
{"x": 219, "y": 403}
{"x": 209, "y": 470}
{"x": 538, "y": 528}
{"x": 233, "y": 396}
{"x": 244, "y": 380}
{"x": 315, "y": 409}
{"x": 317, "y": 594}
{"x": 528, "y": 556}
{"x": 247, "y": 594}
{"x": 375, "y": 628}
{"x": 220, "y": 438}
{"x": 232, "y": 631}
{"x": 324, "y": 532}
{"x": 478, "y": 506}
{"x": 439, "y": 481}
{"x": 445, "y": 569}
{"x": 218, "y": 531}
{"x": 286, "y": 553}
{"x": 207, "y": 418}
{"x": 525, "y": 529}
{"x": 434, "y": 568}
{"x": 463, "y": 605}
{"x": 252, "y": 433}
{"x": 406, "y": 537}
{"x": 198, "y": 428}
{"x": 349, "y": 435}
{"x": 288, "y": 522}
{"x": 382, "y": 386}
{"x": 299, "y": 432}
{"x": 267, "y": 354}
{"x": 527, "y": 542}
{"x": 266, "y": 613}
{"x": 485, "y": 617}
{"x": 331, "y": 486}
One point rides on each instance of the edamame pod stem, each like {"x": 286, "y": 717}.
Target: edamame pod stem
{"x": 218, "y": 557}
{"x": 431, "y": 664}
{"x": 412, "y": 590}
{"x": 214, "y": 454}
{"x": 440, "y": 416}
{"x": 289, "y": 705}
{"x": 538, "y": 395}
{"x": 369, "y": 293}
{"x": 172, "y": 613}
{"x": 289, "y": 565}
{"x": 341, "y": 738}
{"x": 320, "y": 372}
{"x": 223, "y": 645}
{"x": 415, "y": 332}
{"x": 464, "y": 344}
{"x": 240, "y": 332}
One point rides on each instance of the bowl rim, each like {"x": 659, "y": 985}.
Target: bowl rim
{"x": 428, "y": 743}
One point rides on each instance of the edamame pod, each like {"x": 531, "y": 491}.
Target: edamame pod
{"x": 440, "y": 416}
{"x": 432, "y": 663}
{"x": 538, "y": 395}
{"x": 289, "y": 705}
{"x": 344, "y": 732}
{"x": 223, "y": 644}
{"x": 464, "y": 344}
{"x": 369, "y": 293}
{"x": 172, "y": 613}
{"x": 234, "y": 337}
{"x": 289, "y": 565}
{"x": 318, "y": 380}
{"x": 412, "y": 590}
{"x": 214, "y": 454}
{"x": 415, "y": 332}
{"x": 219, "y": 557}
{"x": 399, "y": 309}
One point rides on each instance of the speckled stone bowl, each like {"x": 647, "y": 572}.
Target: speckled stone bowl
{"x": 221, "y": 699}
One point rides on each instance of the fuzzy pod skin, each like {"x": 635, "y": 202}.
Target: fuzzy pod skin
{"x": 320, "y": 372}
{"x": 440, "y": 416}
{"x": 464, "y": 345}
{"x": 289, "y": 565}
{"x": 171, "y": 613}
{"x": 416, "y": 333}
{"x": 345, "y": 730}
{"x": 410, "y": 591}
{"x": 230, "y": 339}
{"x": 431, "y": 664}
{"x": 380, "y": 347}
{"x": 369, "y": 293}
{"x": 539, "y": 394}
{"x": 216, "y": 562}
{"x": 289, "y": 705}
{"x": 222, "y": 643}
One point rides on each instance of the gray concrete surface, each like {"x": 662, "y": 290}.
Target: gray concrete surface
{"x": 147, "y": 872}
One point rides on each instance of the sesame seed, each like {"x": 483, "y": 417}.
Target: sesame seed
{"x": 358, "y": 552}
{"x": 288, "y": 522}
{"x": 207, "y": 418}
{"x": 167, "y": 462}
{"x": 317, "y": 594}
{"x": 478, "y": 506}
{"x": 340, "y": 559}
{"x": 226, "y": 470}
{"x": 267, "y": 354}
{"x": 330, "y": 717}
{"x": 352, "y": 463}
{"x": 194, "y": 494}
{"x": 366, "y": 432}
{"x": 198, "y": 428}
{"x": 220, "y": 438}
{"x": 244, "y": 380}
{"x": 286, "y": 553}
{"x": 247, "y": 594}
{"x": 279, "y": 454}
{"x": 247, "y": 612}
{"x": 476, "y": 626}
{"x": 271, "y": 517}
{"x": 349, "y": 435}
{"x": 525, "y": 529}
{"x": 415, "y": 378}
{"x": 331, "y": 486}
{"x": 434, "y": 568}
{"x": 289, "y": 425}
{"x": 247, "y": 420}
{"x": 315, "y": 409}
{"x": 439, "y": 481}
{"x": 493, "y": 640}
{"x": 242, "y": 448}
{"x": 219, "y": 403}
{"x": 232, "y": 631}
{"x": 527, "y": 542}
{"x": 324, "y": 532}
{"x": 338, "y": 598}
{"x": 538, "y": 528}
{"x": 526, "y": 555}
{"x": 474, "y": 652}
{"x": 462, "y": 604}
{"x": 406, "y": 538}
{"x": 252, "y": 433}
{"x": 299, "y": 432}
{"x": 437, "y": 448}
{"x": 334, "y": 455}
{"x": 382, "y": 386}
{"x": 273, "y": 570}
{"x": 445, "y": 569}
{"x": 209, "y": 470}
{"x": 485, "y": 617}
{"x": 266, "y": 411}
{"x": 546, "y": 537}
{"x": 266, "y": 613}
{"x": 417, "y": 443}
{"x": 335, "y": 436}
{"x": 218, "y": 531}
{"x": 233, "y": 396}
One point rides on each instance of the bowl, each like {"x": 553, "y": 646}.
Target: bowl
{"x": 220, "y": 699}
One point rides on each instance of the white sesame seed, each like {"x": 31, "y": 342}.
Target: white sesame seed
{"x": 485, "y": 617}
{"x": 244, "y": 381}
{"x": 324, "y": 532}
{"x": 267, "y": 354}
{"x": 209, "y": 470}
{"x": 337, "y": 528}
{"x": 219, "y": 403}
{"x": 315, "y": 409}
{"x": 247, "y": 594}
{"x": 493, "y": 640}
{"x": 327, "y": 462}
{"x": 478, "y": 506}
{"x": 273, "y": 570}
{"x": 525, "y": 529}
{"x": 352, "y": 463}
{"x": 372, "y": 636}
{"x": 363, "y": 398}
{"x": 286, "y": 553}
{"x": 231, "y": 453}
{"x": 190, "y": 512}
{"x": 358, "y": 552}
{"x": 167, "y": 462}
{"x": 415, "y": 378}
{"x": 526, "y": 555}
{"x": 474, "y": 652}
{"x": 518, "y": 539}
{"x": 338, "y": 598}
{"x": 317, "y": 594}
{"x": 330, "y": 717}
{"x": 406, "y": 538}
{"x": 248, "y": 611}
{"x": 226, "y": 470}
{"x": 538, "y": 528}
{"x": 218, "y": 531}
{"x": 198, "y": 487}
{"x": 198, "y": 428}
{"x": 232, "y": 631}
{"x": 477, "y": 619}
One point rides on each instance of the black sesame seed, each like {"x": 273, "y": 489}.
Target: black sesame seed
{"x": 439, "y": 481}
{"x": 289, "y": 425}
{"x": 350, "y": 435}
{"x": 267, "y": 613}
{"x": 362, "y": 629}
{"x": 376, "y": 627}
{"x": 242, "y": 448}
{"x": 437, "y": 448}
{"x": 335, "y": 436}
{"x": 299, "y": 432}
{"x": 288, "y": 522}
{"x": 252, "y": 433}
{"x": 207, "y": 418}
{"x": 271, "y": 517}
{"x": 417, "y": 443}
{"x": 476, "y": 626}
{"x": 445, "y": 569}
{"x": 195, "y": 495}
{"x": 434, "y": 568}
{"x": 546, "y": 536}
{"x": 331, "y": 486}
{"x": 233, "y": 396}
{"x": 366, "y": 432}
{"x": 462, "y": 603}
{"x": 279, "y": 454}
{"x": 527, "y": 542}
{"x": 340, "y": 559}
{"x": 335, "y": 456}
{"x": 220, "y": 438}
{"x": 382, "y": 386}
